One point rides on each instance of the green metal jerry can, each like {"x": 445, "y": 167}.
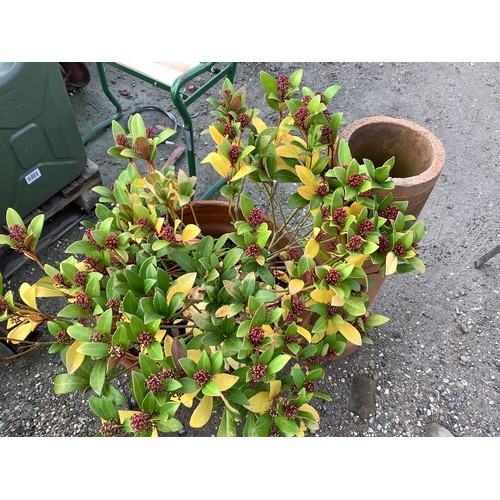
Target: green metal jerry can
{"x": 41, "y": 150}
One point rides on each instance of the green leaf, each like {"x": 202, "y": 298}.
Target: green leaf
{"x": 155, "y": 351}
{"x": 114, "y": 394}
{"x": 296, "y": 77}
{"x": 65, "y": 383}
{"x": 277, "y": 363}
{"x": 12, "y": 217}
{"x": 231, "y": 259}
{"x": 79, "y": 332}
{"x": 262, "y": 426}
{"x": 72, "y": 311}
{"x": 269, "y": 84}
{"x": 94, "y": 349}
{"x": 210, "y": 389}
{"x": 149, "y": 403}
{"x": 374, "y": 320}
{"x": 171, "y": 425}
{"x": 98, "y": 376}
{"x": 296, "y": 201}
{"x": 284, "y": 175}
{"x": 287, "y": 427}
{"x": 138, "y": 388}
{"x": 354, "y": 306}
{"x": 183, "y": 260}
{"x": 188, "y": 365}
{"x": 227, "y": 427}
{"x": 105, "y": 322}
{"x": 35, "y": 228}
{"x": 417, "y": 263}
{"x": 148, "y": 365}
{"x": 246, "y": 205}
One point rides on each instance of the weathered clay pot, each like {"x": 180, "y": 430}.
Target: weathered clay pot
{"x": 419, "y": 155}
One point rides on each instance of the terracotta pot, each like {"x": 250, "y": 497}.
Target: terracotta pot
{"x": 213, "y": 219}
{"x": 419, "y": 155}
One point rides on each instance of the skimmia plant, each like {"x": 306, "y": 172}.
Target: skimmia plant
{"x": 237, "y": 323}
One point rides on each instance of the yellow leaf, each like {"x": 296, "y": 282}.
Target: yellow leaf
{"x": 306, "y": 176}
{"x": 358, "y": 261}
{"x": 124, "y": 414}
{"x": 282, "y": 165}
{"x": 167, "y": 345}
{"x": 182, "y": 285}
{"x": 312, "y": 248}
{"x": 222, "y": 311}
{"x": 159, "y": 224}
{"x": 354, "y": 209}
{"x": 189, "y": 232}
{"x": 305, "y": 333}
{"x": 317, "y": 337}
{"x": 288, "y": 151}
{"x": 20, "y": 332}
{"x": 225, "y": 381}
{"x": 215, "y": 134}
{"x": 295, "y": 286}
{"x": 350, "y": 333}
{"x": 391, "y": 263}
{"x": 220, "y": 164}
{"x": 28, "y": 294}
{"x": 268, "y": 331}
{"x": 274, "y": 388}
{"x": 322, "y": 296}
{"x": 46, "y": 291}
{"x": 259, "y": 124}
{"x": 160, "y": 334}
{"x": 194, "y": 354}
{"x": 244, "y": 170}
{"x": 310, "y": 409}
{"x": 74, "y": 359}
{"x": 202, "y": 413}
{"x": 307, "y": 192}
{"x": 260, "y": 403}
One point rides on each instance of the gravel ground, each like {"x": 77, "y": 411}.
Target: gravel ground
{"x": 435, "y": 367}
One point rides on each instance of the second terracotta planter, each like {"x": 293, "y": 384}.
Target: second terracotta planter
{"x": 419, "y": 155}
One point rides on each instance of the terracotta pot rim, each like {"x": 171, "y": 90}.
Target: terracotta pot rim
{"x": 437, "y": 164}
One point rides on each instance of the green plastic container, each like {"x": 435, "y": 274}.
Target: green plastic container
{"x": 41, "y": 150}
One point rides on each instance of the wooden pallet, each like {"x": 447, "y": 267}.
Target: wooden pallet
{"x": 62, "y": 212}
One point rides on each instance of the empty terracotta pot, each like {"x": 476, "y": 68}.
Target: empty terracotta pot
{"x": 419, "y": 155}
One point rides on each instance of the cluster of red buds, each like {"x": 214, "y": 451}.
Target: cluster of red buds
{"x": 112, "y": 428}
{"x": 141, "y": 422}
{"x": 283, "y": 86}
{"x": 355, "y": 243}
{"x": 201, "y": 377}
{"x": 258, "y": 372}
{"x": 255, "y": 217}
{"x": 145, "y": 339}
{"x": 18, "y": 234}
{"x": 256, "y": 335}
{"x": 333, "y": 277}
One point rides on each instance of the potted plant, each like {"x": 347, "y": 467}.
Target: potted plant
{"x": 218, "y": 305}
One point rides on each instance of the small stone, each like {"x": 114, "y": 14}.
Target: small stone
{"x": 435, "y": 430}
{"x": 452, "y": 404}
{"x": 362, "y": 399}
